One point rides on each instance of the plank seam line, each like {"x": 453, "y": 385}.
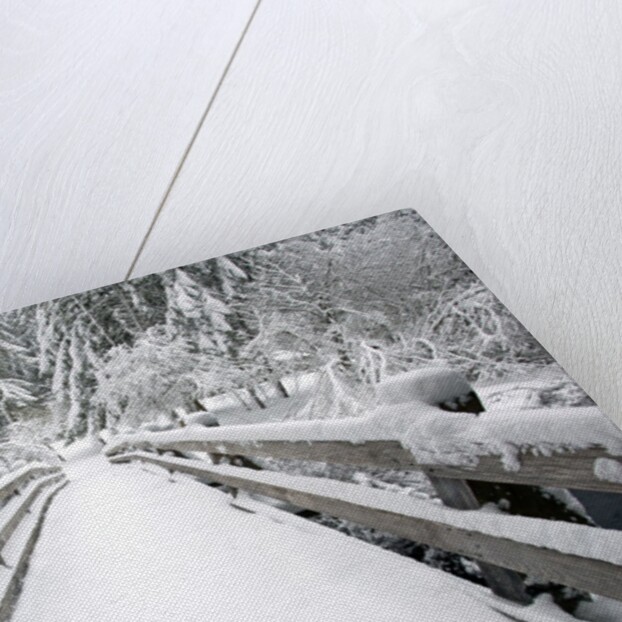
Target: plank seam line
{"x": 193, "y": 138}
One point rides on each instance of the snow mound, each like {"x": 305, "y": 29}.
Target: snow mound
{"x": 434, "y": 436}
{"x": 81, "y": 449}
{"x": 608, "y": 470}
{"x": 431, "y": 386}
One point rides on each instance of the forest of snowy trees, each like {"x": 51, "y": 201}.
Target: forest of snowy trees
{"x": 374, "y": 297}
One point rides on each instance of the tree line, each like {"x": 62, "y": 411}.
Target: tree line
{"x": 375, "y": 297}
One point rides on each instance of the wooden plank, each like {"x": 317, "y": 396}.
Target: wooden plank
{"x": 562, "y": 470}
{"x": 22, "y": 477}
{"x": 98, "y": 102}
{"x": 334, "y": 111}
{"x": 8, "y": 527}
{"x": 592, "y": 575}
{"x": 10, "y": 595}
{"x": 457, "y": 494}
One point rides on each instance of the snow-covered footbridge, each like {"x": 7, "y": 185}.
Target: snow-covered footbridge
{"x": 130, "y": 544}
{"x": 126, "y": 544}
{"x": 137, "y": 535}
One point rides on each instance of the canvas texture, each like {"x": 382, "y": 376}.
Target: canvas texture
{"x": 346, "y": 425}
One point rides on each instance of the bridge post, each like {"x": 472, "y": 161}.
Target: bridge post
{"x": 457, "y": 494}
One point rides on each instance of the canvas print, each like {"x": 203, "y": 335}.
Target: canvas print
{"x": 346, "y": 425}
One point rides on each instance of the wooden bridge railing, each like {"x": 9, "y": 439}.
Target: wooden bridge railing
{"x": 25, "y": 496}
{"x": 567, "y": 469}
{"x": 501, "y": 554}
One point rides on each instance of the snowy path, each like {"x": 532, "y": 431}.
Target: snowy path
{"x": 123, "y": 543}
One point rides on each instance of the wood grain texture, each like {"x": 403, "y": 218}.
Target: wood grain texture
{"x": 509, "y": 584}
{"x": 563, "y": 470}
{"x": 498, "y": 121}
{"x": 97, "y": 103}
{"x": 592, "y": 575}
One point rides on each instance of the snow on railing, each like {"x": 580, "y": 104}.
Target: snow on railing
{"x": 26, "y": 494}
{"x": 431, "y": 422}
{"x": 14, "y": 480}
{"x": 567, "y": 449}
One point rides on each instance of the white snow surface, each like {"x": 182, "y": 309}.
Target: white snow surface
{"x": 608, "y": 470}
{"x": 581, "y": 540}
{"x": 124, "y": 543}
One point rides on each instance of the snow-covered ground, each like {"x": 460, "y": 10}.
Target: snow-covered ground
{"x": 126, "y": 543}
{"x": 580, "y": 540}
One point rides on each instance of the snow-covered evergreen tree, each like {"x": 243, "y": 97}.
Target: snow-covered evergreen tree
{"x": 17, "y": 367}
{"x": 59, "y": 403}
{"x": 147, "y": 381}
{"x": 80, "y": 387}
{"x": 194, "y": 312}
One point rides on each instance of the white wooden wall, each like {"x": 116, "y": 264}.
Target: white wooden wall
{"x": 138, "y": 136}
